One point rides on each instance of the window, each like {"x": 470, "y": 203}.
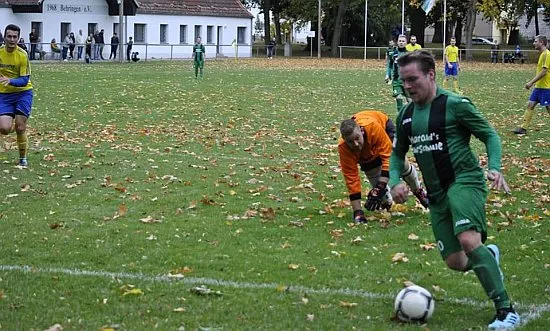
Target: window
{"x": 65, "y": 29}
{"x": 115, "y": 28}
{"x": 241, "y": 35}
{"x": 164, "y": 33}
{"x": 139, "y": 33}
{"x": 198, "y": 31}
{"x": 92, "y": 28}
{"x": 183, "y": 34}
{"x": 210, "y": 34}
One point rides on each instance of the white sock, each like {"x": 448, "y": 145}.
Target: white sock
{"x": 410, "y": 176}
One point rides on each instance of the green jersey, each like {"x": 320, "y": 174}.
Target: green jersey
{"x": 439, "y": 134}
{"x": 391, "y": 63}
{"x": 198, "y": 52}
{"x": 389, "y": 60}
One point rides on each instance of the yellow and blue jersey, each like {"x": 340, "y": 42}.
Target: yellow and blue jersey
{"x": 412, "y": 48}
{"x": 14, "y": 65}
{"x": 544, "y": 62}
{"x": 452, "y": 53}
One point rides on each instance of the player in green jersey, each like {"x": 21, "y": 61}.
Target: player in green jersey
{"x": 389, "y": 61}
{"x": 198, "y": 57}
{"x": 398, "y": 91}
{"x": 438, "y": 125}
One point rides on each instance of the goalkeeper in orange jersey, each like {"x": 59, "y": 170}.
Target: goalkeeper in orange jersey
{"x": 366, "y": 143}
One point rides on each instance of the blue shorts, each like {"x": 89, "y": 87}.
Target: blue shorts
{"x": 17, "y": 103}
{"x": 541, "y": 95}
{"x": 451, "y": 71}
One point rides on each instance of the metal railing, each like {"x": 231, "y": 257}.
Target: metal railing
{"x": 479, "y": 54}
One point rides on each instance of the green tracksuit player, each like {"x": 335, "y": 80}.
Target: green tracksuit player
{"x": 198, "y": 57}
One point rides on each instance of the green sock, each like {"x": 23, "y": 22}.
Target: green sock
{"x": 196, "y": 71}
{"x": 485, "y": 266}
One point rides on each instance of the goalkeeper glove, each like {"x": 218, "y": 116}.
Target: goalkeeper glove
{"x": 374, "y": 199}
{"x": 359, "y": 216}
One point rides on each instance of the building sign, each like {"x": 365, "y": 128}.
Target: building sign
{"x": 69, "y": 9}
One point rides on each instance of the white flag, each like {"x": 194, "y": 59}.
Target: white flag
{"x": 427, "y": 5}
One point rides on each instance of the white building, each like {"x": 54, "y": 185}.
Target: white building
{"x": 160, "y": 28}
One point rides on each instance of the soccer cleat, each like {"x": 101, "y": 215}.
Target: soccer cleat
{"x": 23, "y": 163}
{"x": 422, "y": 197}
{"x": 496, "y": 253}
{"x": 505, "y": 319}
{"x": 519, "y": 130}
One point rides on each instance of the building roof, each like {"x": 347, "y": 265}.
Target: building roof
{"x": 227, "y": 8}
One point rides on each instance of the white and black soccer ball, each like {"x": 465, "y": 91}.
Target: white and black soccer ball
{"x": 414, "y": 304}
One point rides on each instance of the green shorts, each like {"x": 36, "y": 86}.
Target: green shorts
{"x": 198, "y": 64}
{"x": 397, "y": 88}
{"x": 462, "y": 209}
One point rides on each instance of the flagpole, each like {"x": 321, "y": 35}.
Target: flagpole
{"x": 319, "y": 31}
{"x": 403, "y": 17}
{"x": 444, "y": 28}
{"x": 366, "y": 12}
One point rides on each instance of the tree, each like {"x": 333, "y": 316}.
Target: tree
{"x": 258, "y": 28}
{"x": 342, "y": 8}
{"x": 506, "y": 14}
{"x": 470, "y": 22}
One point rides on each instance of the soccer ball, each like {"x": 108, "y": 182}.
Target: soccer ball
{"x": 414, "y": 304}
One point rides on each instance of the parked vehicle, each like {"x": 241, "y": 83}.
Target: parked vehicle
{"x": 482, "y": 41}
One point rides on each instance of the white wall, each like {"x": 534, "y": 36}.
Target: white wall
{"x": 81, "y": 12}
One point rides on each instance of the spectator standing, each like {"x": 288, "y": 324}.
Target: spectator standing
{"x": 89, "y": 41}
{"x": 33, "y": 39}
{"x": 494, "y": 53}
{"x": 72, "y": 44}
{"x": 114, "y": 46}
{"x": 65, "y": 47}
{"x": 101, "y": 43}
{"x": 129, "y": 48}
{"x": 95, "y": 45}
{"x": 271, "y": 48}
{"x": 79, "y": 44}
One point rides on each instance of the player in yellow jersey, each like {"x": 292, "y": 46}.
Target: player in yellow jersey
{"x": 541, "y": 93}
{"x": 15, "y": 90}
{"x": 452, "y": 65}
{"x": 412, "y": 45}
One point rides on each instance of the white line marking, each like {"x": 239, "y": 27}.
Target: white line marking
{"x": 529, "y": 312}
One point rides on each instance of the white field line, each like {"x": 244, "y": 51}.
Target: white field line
{"x": 529, "y": 312}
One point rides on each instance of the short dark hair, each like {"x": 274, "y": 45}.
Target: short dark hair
{"x": 13, "y": 27}
{"x": 347, "y": 127}
{"x": 542, "y": 39}
{"x": 425, "y": 60}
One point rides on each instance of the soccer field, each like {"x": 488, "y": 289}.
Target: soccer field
{"x": 145, "y": 183}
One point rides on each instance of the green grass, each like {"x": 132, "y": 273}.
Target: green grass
{"x": 240, "y": 170}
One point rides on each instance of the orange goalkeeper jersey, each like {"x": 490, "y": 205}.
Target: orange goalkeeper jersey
{"x": 377, "y": 144}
